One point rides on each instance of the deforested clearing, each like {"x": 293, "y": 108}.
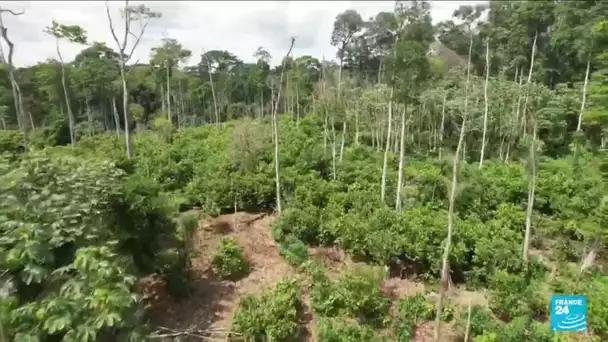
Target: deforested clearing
{"x": 435, "y": 180}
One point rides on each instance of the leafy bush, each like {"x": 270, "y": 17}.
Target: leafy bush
{"x": 302, "y": 223}
{"x": 410, "y": 311}
{"x": 512, "y": 296}
{"x": 11, "y": 142}
{"x": 356, "y": 294}
{"x": 59, "y": 248}
{"x": 271, "y": 316}
{"x": 481, "y": 321}
{"x": 343, "y": 330}
{"x": 294, "y": 251}
{"x": 520, "y": 329}
{"x": 229, "y": 261}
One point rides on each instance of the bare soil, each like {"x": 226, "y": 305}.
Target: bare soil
{"x": 212, "y": 301}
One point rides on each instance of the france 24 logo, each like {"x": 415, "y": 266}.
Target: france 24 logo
{"x": 568, "y": 313}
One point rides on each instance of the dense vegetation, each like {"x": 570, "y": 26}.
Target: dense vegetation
{"x": 488, "y": 171}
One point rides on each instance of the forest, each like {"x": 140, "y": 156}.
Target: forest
{"x": 432, "y": 182}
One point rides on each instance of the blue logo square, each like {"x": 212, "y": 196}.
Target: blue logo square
{"x": 568, "y": 313}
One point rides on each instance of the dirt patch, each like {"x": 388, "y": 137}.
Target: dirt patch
{"x": 461, "y": 297}
{"x": 396, "y": 288}
{"x": 212, "y": 301}
{"x": 333, "y": 258}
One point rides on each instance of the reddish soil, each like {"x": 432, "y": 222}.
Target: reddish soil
{"x": 212, "y": 301}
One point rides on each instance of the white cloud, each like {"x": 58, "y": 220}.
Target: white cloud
{"x": 237, "y": 26}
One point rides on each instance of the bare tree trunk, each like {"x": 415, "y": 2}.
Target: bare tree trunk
{"x": 584, "y": 97}
{"x": 217, "y": 115}
{"x": 388, "y": 133}
{"x": 125, "y": 110}
{"x": 357, "y": 126}
{"x": 468, "y": 326}
{"x": 325, "y": 134}
{"x": 531, "y": 196}
{"x": 66, "y": 97}
{"x": 388, "y": 145}
{"x": 29, "y": 113}
{"x": 116, "y": 117}
{"x": 527, "y": 93}
{"x": 276, "y": 131}
{"x": 124, "y": 57}
{"x": 169, "y": 114}
{"x": 583, "y": 102}
{"x": 333, "y": 145}
{"x": 343, "y": 140}
{"x": 163, "y": 99}
{"x": 445, "y": 276}
{"x": 181, "y": 99}
{"x": 510, "y": 137}
{"x": 442, "y": 124}
{"x": 486, "y": 105}
{"x": 297, "y": 105}
{"x": 18, "y": 100}
{"x": 401, "y": 160}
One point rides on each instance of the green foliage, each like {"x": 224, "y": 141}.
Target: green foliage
{"x": 229, "y": 261}
{"x": 341, "y": 329}
{"x": 271, "y": 316}
{"x": 520, "y": 329}
{"x": 481, "y": 321}
{"x": 59, "y": 245}
{"x": 68, "y": 212}
{"x": 513, "y": 296}
{"x": 411, "y": 311}
{"x": 356, "y": 294}
{"x": 294, "y": 251}
{"x": 11, "y": 142}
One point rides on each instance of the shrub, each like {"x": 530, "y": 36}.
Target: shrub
{"x": 410, "y": 311}
{"x": 481, "y": 321}
{"x": 271, "y": 316}
{"x": 229, "y": 262}
{"x": 342, "y": 330}
{"x": 356, "y": 294}
{"x": 294, "y": 251}
{"x": 512, "y": 296}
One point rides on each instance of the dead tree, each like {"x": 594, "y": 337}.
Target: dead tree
{"x": 8, "y": 60}
{"x": 275, "y": 122}
{"x": 143, "y": 15}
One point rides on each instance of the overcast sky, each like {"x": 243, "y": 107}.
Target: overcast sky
{"x": 239, "y": 27}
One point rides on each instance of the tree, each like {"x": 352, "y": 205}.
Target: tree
{"x": 346, "y": 26}
{"x": 469, "y": 15}
{"x": 275, "y": 121}
{"x": 411, "y": 69}
{"x": 96, "y": 73}
{"x": 8, "y": 60}
{"x": 168, "y": 56}
{"x": 143, "y": 15}
{"x": 73, "y": 34}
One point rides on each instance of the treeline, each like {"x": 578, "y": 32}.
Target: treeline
{"x": 556, "y": 45}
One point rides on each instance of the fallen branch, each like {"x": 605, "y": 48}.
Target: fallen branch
{"x": 205, "y": 334}
{"x": 253, "y": 219}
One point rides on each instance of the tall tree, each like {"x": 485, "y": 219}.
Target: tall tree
{"x": 469, "y": 15}
{"x": 168, "y": 56}
{"x": 73, "y": 34}
{"x": 130, "y": 14}
{"x": 8, "y": 60}
{"x": 275, "y": 121}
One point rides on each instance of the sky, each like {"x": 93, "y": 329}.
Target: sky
{"x": 237, "y": 26}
